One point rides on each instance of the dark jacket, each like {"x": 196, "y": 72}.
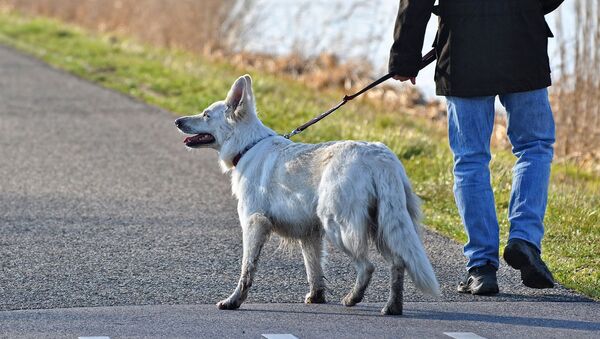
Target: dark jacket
{"x": 483, "y": 47}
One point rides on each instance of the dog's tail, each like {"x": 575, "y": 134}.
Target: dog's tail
{"x": 399, "y": 227}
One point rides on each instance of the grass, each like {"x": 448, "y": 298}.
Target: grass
{"x": 185, "y": 83}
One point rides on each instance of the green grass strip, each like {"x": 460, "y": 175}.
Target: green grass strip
{"x": 185, "y": 83}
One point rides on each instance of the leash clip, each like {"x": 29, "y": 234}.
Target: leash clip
{"x": 292, "y": 133}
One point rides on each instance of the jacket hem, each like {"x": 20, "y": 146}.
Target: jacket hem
{"x": 479, "y": 92}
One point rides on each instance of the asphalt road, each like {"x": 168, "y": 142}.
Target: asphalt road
{"x": 421, "y": 320}
{"x": 101, "y": 205}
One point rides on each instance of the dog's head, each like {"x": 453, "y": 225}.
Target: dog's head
{"x": 217, "y": 124}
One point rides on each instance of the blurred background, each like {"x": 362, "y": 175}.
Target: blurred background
{"x": 345, "y": 44}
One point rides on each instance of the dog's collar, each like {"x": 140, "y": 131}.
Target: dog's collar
{"x": 239, "y": 156}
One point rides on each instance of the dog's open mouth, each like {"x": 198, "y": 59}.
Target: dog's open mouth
{"x": 199, "y": 140}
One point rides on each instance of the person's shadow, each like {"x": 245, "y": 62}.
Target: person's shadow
{"x": 372, "y": 312}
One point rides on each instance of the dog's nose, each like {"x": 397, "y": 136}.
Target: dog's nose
{"x": 178, "y": 122}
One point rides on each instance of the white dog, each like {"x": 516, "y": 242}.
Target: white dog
{"x": 351, "y": 191}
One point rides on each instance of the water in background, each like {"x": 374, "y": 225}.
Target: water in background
{"x": 359, "y": 29}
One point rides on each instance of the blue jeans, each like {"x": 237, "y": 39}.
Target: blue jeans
{"x": 531, "y": 133}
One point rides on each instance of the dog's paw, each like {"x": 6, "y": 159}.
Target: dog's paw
{"x": 228, "y": 304}
{"x": 350, "y": 300}
{"x": 392, "y": 309}
{"x": 317, "y": 297}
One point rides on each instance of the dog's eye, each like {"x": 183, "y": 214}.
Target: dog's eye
{"x": 205, "y": 115}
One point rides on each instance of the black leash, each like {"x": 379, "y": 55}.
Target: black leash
{"x": 426, "y": 60}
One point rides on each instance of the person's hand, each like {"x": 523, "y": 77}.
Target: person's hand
{"x": 413, "y": 80}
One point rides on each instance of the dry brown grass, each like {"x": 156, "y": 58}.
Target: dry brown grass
{"x": 188, "y": 24}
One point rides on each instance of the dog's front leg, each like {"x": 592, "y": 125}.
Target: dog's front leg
{"x": 255, "y": 233}
{"x": 312, "y": 250}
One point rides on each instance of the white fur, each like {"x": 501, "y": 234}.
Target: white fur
{"x": 354, "y": 192}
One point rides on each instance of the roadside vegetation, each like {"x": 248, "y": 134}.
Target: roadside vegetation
{"x": 184, "y": 83}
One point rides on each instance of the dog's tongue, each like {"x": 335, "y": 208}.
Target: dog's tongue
{"x": 195, "y": 138}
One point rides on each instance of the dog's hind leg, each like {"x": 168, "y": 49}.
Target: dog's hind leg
{"x": 312, "y": 250}
{"x": 397, "y": 268}
{"x": 255, "y": 234}
{"x": 394, "y": 303}
{"x": 354, "y": 242}
{"x": 364, "y": 271}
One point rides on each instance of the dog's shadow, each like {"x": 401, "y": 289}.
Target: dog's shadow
{"x": 503, "y": 319}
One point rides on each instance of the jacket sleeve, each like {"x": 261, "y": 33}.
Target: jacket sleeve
{"x": 409, "y": 32}
{"x": 550, "y": 5}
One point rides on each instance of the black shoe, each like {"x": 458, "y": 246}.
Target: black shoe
{"x": 521, "y": 255}
{"x": 480, "y": 280}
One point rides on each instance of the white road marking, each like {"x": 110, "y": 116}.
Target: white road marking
{"x": 463, "y": 335}
{"x": 279, "y": 336}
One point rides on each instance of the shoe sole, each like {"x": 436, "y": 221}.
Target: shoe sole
{"x": 531, "y": 274}
{"x": 479, "y": 290}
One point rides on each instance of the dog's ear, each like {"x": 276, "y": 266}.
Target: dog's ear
{"x": 240, "y": 98}
{"x": 248, "y": 91}
{"x": 236, "y": 94}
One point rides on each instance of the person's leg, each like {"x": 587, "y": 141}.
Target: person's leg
{"x": 470, "y": 124}
{"x": 531, "y": 133}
